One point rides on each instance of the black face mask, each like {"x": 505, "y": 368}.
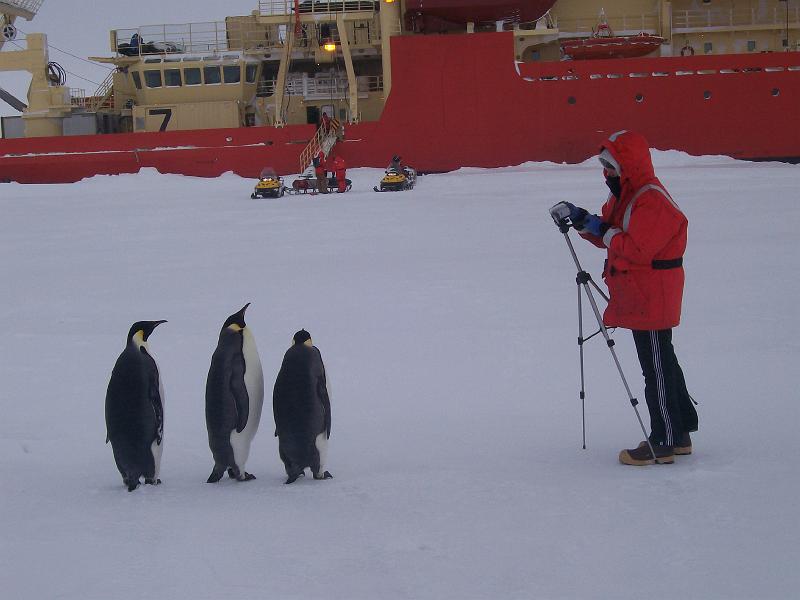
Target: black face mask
{"x": 615, "y": 185}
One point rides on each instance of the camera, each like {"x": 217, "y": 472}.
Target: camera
{"x": 560, "y": 213}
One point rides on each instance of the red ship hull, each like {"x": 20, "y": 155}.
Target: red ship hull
{"x": 479, "y": 108}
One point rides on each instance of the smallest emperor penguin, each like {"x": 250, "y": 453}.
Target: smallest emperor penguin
{"x": 302, "y": 410}
{"x": 234, "y": 397}
{"x": 135, "y": 409}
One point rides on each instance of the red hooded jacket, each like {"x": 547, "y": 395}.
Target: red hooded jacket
{"x": 647, "y": 234}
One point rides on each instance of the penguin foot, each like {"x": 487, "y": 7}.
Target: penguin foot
{"x": 325, "y": 475}
{"x": 294, "y": 477}
{"x": 247, "y": 477}
{"x": 152, "y": 481}
{"x": 132, "y": 485}
{"x": 216, "y": 475}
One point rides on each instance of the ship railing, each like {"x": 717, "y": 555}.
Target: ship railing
{"x": 322, "y": 88}
{"x": 192, "y": 38}
{"x": 234, "y": 34}
{"x": 736, "y": 17}
{"x": 77, "y": 97}
{"x": 361, "y": 33}
{"x": 315, "y": 7}
{"x": 23, "y": 8}
{"x": 620, "y": 25}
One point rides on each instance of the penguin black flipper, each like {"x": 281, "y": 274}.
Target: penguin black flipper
{"x": 154, "y": 394}
{"x": 239, "y": 391}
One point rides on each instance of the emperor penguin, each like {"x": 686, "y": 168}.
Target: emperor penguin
{"x": 135, "y": 409}
{"x": 234, "y": 397}
{"x": 302, "y": 410}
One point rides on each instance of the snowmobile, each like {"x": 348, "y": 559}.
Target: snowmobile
{"x": 269, "y": 185}
{"x": 397, "y": 180}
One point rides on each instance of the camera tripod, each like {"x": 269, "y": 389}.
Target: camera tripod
{"x": 585, "y": 283}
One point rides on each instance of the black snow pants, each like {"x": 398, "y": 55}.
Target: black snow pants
{"x": 668, "y": 400}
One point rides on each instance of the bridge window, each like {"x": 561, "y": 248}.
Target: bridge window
{"x": 211, "y": 75}
{"x": 152, "y": 78}
{"x": 191, "y": 76}
{"x": 232, "y": 73}
{"x": 751, "y": 45}
{"x": 137, "y": 79}
{"x": 172, "y": 77}
{"x": 707, "y": 47}
{"x": 250, "y": 73}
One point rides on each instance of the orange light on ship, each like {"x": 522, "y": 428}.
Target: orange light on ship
{"x": 329, "y": 46}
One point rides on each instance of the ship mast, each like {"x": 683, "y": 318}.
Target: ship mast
{"x": 9, "y": 11}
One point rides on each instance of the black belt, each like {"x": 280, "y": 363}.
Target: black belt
{"x": 673, "y": 263}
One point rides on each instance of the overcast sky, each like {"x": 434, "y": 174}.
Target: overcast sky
{"x": 81, "y": 27}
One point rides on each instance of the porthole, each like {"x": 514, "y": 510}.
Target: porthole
{"x": 707, "y": 95}
{"x": 776, "y": 92}
{"x": 639, "y": 97}
{"x": 571, "y": 100}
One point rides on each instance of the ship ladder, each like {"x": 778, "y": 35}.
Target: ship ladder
{"x": 322, "y": 140}
{"x": 104, "y": 96}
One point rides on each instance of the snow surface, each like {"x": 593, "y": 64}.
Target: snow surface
{"x": 447, "y": 320}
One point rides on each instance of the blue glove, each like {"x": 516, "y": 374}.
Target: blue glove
{"x": 576, "y": 214}
{"x": 594, "y": 225}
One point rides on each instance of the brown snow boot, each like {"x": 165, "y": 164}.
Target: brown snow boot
{"x": 683, "y": 445}
{"x": 642, "y": 456}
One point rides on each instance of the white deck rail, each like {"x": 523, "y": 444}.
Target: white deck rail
{"x": 738, "y": 17}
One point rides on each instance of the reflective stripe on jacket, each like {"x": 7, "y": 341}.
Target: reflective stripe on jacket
{"x": 646, "y": 225}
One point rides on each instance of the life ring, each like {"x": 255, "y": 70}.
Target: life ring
{"x": 687, "y": 50}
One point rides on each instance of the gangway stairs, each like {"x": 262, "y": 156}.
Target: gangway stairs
{"x": 104, "y": 96}
{"x": 324, "y": 139}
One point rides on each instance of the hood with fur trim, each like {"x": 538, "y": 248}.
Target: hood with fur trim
{"x": 632, "y": 153}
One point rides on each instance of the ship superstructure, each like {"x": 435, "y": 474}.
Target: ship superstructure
{"x": 391, "y": 74}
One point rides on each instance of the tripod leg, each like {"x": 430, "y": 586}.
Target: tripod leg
{"x": 583, "y": 279}
{"x": 610, "y": 344}
{"x": 580, "y": 350}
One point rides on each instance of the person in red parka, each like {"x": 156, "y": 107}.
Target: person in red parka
{"x": 340, "y": 171}
{"x": 644, "y": 233}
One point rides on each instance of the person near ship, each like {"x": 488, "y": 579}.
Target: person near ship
{"x": 644, "y": 233}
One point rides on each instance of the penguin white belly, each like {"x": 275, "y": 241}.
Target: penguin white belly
{"x": 322, "y": 448}
{"x": 254, "y": 383}
{"x": 155, "y": 447}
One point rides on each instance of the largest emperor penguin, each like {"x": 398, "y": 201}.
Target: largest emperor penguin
{"x": 234, "y": 397}
{"x": 135, "y": 409}
{"x": 302, "y": 410}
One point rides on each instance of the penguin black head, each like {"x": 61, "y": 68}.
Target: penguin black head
{"x": 237, "y": 318}
{"x": 146, "y": 327}
{"x": 301, "y": 337}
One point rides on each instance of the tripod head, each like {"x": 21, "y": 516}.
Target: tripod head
{"x": 560, "y": 214}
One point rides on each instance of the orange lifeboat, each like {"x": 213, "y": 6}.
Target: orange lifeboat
{"x": 604, "y": 44}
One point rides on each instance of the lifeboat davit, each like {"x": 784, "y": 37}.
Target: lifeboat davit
{"x": 604, "y": 44}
